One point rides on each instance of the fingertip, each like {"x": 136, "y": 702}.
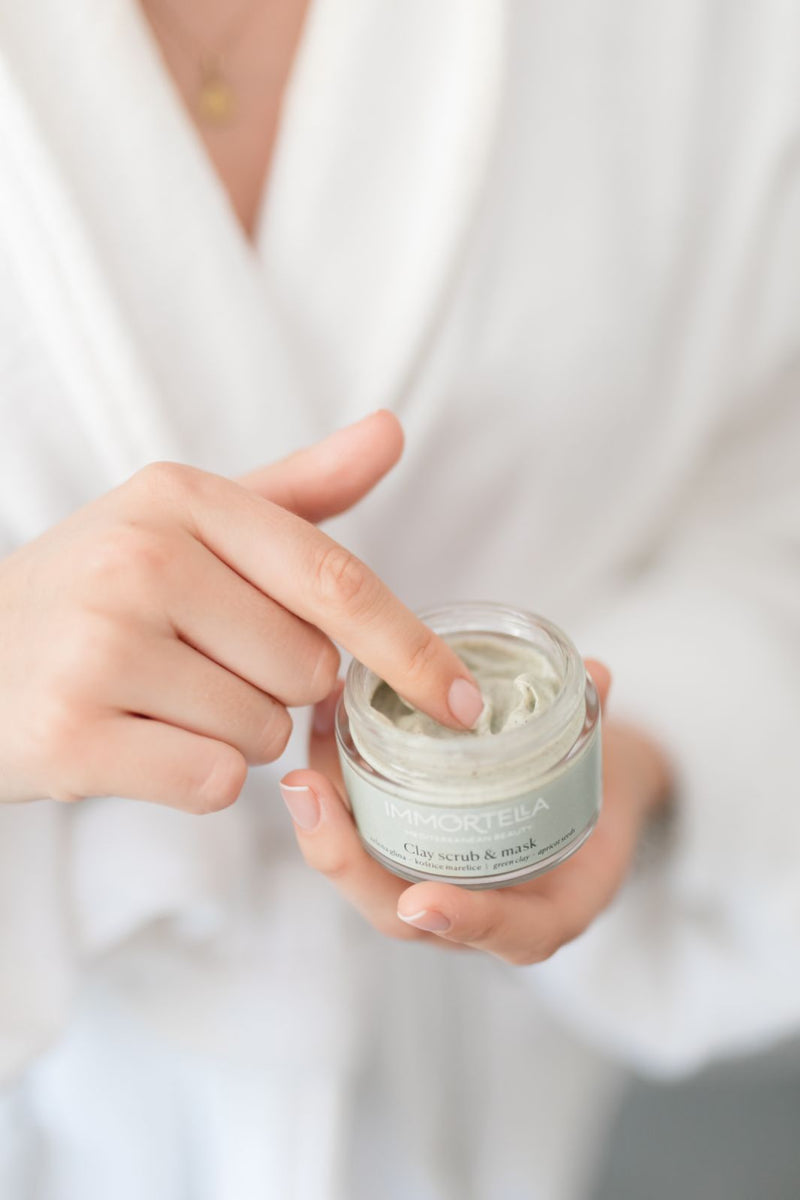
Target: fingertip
{"x": 303, "y": 805}
{"x": 465, "y": 702}
{"x": 384, "y": 433}
{"x": 305, "y": 777}
{"x": 427, "y": 920}
{"x": 329, "y": 796}
{"x": 438, "y": 898}
{"x": 410, "y": 902}
{"x": 601, "y": 677}
{"x": 394, "y": 432}
{"x": 382, "y": 419}
{"x": 223, "y": 782}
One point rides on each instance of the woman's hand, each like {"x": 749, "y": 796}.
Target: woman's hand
{"x": 526, "y": 923}
{"x": 151, "y": 643}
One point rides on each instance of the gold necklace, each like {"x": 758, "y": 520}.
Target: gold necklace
{"x": 216, "y": 100}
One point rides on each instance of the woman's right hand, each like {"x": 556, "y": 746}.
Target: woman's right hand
{"x": 151, "y": 643}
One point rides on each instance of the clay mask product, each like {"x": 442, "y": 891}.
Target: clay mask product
{"x": 493, "y": 806}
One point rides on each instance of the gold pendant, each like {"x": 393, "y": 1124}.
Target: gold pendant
{"x": 216, "y": 101}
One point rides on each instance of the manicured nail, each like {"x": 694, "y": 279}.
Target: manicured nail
{"x": 429, "y": 920}
{"x": 302, "y": 804}
{"x": 325, "y": 713}
{"x": 465, "y": 701}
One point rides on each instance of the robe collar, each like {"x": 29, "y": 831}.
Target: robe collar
{"x": 385, "y": 136}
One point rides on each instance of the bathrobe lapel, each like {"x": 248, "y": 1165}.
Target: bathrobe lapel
{"x": 329, "y": 314}
{"x": 387, "y": 131}
{"x": 63, "y": 289}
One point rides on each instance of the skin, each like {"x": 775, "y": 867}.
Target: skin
{"x": 182, "y": 613}
{"x": 523, "y": 924}
{"x": 257, "y": 63}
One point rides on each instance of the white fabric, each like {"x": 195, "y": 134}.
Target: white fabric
{"x": 563, "y": 242}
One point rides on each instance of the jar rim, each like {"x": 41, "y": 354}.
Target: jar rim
{"x": 464, "y": 756}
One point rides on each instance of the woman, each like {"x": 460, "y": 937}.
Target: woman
{"x": 561, "y": 246}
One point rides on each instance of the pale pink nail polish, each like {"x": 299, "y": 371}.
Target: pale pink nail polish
{"x": 429, "y": 920}
{"x": 465, "y": 702}
{"x": 302, "y": 804}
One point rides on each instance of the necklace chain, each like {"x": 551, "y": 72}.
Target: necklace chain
{"x": 216, "y": 98}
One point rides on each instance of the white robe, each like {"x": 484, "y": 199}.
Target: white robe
{"x": 563, "y": 243}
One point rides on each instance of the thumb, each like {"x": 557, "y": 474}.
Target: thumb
{"x": 330, "y": 476}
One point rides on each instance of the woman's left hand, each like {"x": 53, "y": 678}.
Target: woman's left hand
{"x": 522, "y": 924}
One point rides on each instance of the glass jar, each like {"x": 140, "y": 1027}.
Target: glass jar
{"x": 477, "y": 810}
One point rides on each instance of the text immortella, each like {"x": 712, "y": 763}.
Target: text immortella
{"x": 466, "y": 822}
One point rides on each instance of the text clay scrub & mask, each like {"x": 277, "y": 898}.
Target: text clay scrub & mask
{"x": 486, "y": 807}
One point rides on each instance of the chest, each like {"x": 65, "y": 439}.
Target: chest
{"x": 230, "y": 64}
{"x": 563, "y": 283}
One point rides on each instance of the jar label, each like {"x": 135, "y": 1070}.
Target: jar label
{"x": 476, "y": 842}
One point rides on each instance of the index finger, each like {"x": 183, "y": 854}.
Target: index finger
{"x": 315, "y": 577}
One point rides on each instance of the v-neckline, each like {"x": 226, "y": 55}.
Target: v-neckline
{"x": 378, "y": 167}
{"x": 387, "y": 122}
{"x": 175, "y": 105}
{"x": 390, "y": 120}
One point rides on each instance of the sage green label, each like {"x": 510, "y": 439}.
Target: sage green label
{"x": 478, "y": 841}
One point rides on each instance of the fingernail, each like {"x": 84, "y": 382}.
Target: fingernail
{"x": 465, "y": 701}
{"x": 324, "y": 716}
{"x": 302, "y": 804}
{"x": 429, "y": 920}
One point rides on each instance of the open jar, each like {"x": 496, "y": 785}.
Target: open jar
{"x": 487, "y": 807}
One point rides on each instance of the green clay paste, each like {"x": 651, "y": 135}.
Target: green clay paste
{"x": 516, "y": 680}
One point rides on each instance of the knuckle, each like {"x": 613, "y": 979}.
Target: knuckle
{"x": 56, "y": 734}
{"x": 568, "y": 934}
{"x": 106, "y": 557}
{"x": 164, "y": 481}
{"x": 148, "y": 551}
{"x": 126, "y": 557}
{"x": 274, "y": 736}
{"x": 485, "y": 932}
{"x": 221, "y": 786}
{"x": 333, "y": 862}
{"x": 61, "y": 751}
{"x": 533, "y": 952}
{"x": 520, "y": 958}
{"x": 422, "y": 654}
{"x": 92, "y": 652}
{"x": 343, "y": 581}
{"x": 324, "y": 673}
{"x": 64, "y": 795}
